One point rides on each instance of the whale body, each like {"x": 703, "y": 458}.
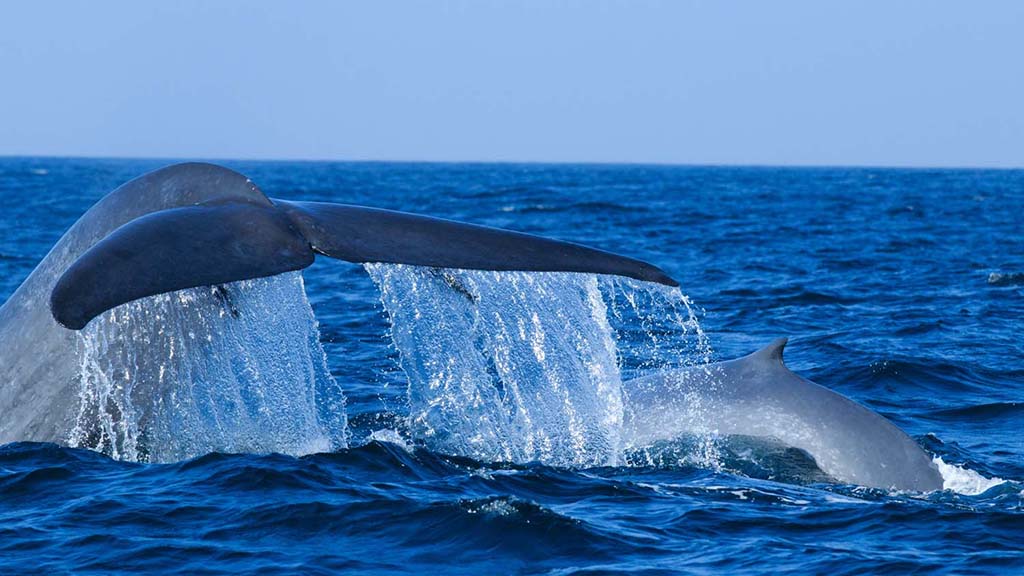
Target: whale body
{"x": 757, "y": 395}
{"x": 194, "y": 225}
{"x": 200, "y": 225}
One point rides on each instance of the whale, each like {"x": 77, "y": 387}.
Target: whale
{"x": 759, "y": 396}
{"x": 194, "y": 224}
{"x": 198, "y": 225}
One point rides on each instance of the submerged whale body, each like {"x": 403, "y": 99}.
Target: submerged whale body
{"x": 187, "y": 233}
{"x": 198, "y": 225}
{"x": 483, "y": 385}
{"x": 757, "y": 395}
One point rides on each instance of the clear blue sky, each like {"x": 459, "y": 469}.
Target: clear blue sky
{"x": 918, "y": 83}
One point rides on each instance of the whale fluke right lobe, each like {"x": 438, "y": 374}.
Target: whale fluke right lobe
{"x": 361, "y": 234}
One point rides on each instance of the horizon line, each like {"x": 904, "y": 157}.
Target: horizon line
{"x": 824, "y": 166}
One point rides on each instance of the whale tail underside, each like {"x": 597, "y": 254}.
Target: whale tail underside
{"x": 239, "y": 238}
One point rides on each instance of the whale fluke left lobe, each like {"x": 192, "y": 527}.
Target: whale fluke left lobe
{"x": 176, "y": 249}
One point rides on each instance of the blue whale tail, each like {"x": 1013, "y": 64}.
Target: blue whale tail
{"x": 234, "y": 232}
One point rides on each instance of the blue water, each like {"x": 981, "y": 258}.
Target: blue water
{"x": 902, "y": 289}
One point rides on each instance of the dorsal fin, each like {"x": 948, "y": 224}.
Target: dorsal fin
{"x": 773, "y": 351}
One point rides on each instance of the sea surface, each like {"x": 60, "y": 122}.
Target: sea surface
{"x": 901, "y": 289}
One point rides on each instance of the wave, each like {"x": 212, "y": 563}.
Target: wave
{"x": 15, "y": 257}
{"x": 929, "y": 374}
{"x": 1006, "y": 279}
{"x": 964, "y": 481}
{"x": 791, "y": 296}
{"x": 575, "y": 207}
{"x": 981, "y": 412}
{"x": 77, "y": 510}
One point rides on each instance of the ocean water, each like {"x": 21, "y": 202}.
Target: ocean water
{"x": 389, "y": 419}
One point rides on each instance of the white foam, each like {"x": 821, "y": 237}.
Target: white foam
{"x": 391, "y": 437}
{"x": 963, "y": 481}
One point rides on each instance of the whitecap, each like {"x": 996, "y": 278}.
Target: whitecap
{"x": 964, "y": 481}
{"x": 391, "y": 437}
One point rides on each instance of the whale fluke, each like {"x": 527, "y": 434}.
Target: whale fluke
{"x": 212, "y": 238}
{"x": 360, "y": 234}
{"x": 176, "y": 249}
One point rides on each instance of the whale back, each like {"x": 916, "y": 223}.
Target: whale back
{"x": 758, "y": 395}
{"x": 28, "y": 331}
{"x": 171, "y": 187}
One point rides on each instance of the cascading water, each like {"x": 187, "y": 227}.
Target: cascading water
{"x": 520, "y": 366}
{"x": 501, "y": 366}
{"x": 657, "y": 327}
{"x": 234, "y": 368}
{"x": 659, "y": 333}
{"x": 506, "y": 366}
